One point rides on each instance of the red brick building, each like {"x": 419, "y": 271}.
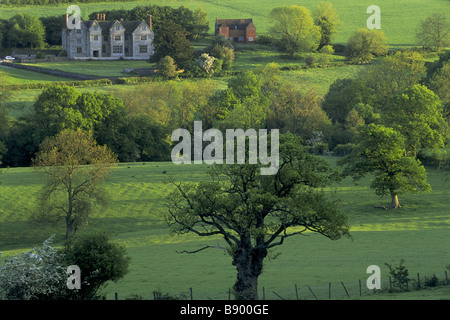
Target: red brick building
{"x": 237, "y": 30}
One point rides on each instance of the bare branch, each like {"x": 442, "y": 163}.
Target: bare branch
{"x": 201, "y": 249}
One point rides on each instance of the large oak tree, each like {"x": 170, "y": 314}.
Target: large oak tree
{"x": 381, "y": 154}
{"x": 254, "y": 213}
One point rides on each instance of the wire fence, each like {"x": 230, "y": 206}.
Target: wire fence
{"x": 325, "y": 291}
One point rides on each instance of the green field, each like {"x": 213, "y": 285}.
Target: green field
{"x": 399, "y": 18}
{"x": 96, "y": 68}
{"x": 19, "y": 76}
{"x": 419, "y": 233}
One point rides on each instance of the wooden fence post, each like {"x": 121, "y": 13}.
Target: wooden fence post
{"x": 329, "y": 290}
{"x": 312, "y": 292}
{"x": 446, "y": 278}
{"x": 116, "y": 296}
{"x": 345, "y": 289}
{"x": 296, "y": 292}
{"x": 418, "y": 280}
{"x": 264, "y": 294}
{"x": 192, "y": 295}
{"x": 360, "y": 291}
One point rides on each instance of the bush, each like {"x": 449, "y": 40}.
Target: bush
{"x": 311, "y": 60}
{"x": 344, "y": 149}
{"x": 135, "y": 80}
{"x": 40, "y": 55}
{"x": 319, "y": 148}
{"x": 99, "y": 260}
{"x": 364, "y": 44}
{"x": 432, "y": 282}
{"x": 167, "y": 68}
{"x": 339, "y": 48}
{"x": 32, "y": 275}
{"x": 290, "y": 68}
{"x": 325, "y": 53}
{"x": 400, "y": 276}
{"x": 265, "y": 40}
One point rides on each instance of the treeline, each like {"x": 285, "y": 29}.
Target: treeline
{"x": 45, "y": 2}
{"x": 26, "y": 31}
{"x": 136, "y": 122}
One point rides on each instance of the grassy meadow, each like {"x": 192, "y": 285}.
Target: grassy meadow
{"x": 110, "y": 68}
{"x": 419, "y": 233}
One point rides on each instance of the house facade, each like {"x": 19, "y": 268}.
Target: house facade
{"x": 112, "y": 39}
{"x": 236, "y": 30}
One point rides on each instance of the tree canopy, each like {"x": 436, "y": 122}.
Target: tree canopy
{"x": 434, "y": 31}
{"x": 294, "y": 29}
{"x": 326, "y": 17}
{"x": 25, "y": 31}
{"x": 381, "y": 153}
{"x": 364, "y": 44}
{"x": 254, "y": 213}
{"x": 74, "y": 166}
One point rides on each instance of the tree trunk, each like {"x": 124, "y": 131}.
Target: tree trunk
{"x": 395, "y": 204}
{"x": 249, "y": 263}
{"x": 68, "y": 226}
{"x": 69, "y": 221}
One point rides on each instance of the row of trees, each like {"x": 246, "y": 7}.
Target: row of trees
{"x": 134, "y": 127}
{"x": 131, "y": 137}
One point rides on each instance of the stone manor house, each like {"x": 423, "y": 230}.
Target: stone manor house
{"x": 103, "y": 39}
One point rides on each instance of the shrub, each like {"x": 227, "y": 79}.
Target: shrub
{"x": 100, "y": 261}
{"x": 400, "y": 275}
{"x": 311, "y": 60}
{"x": 364, "y": 44}
{"x": 265, "y": 40}
{"x": 344, "y": 149}
{"x": 36, "y": 274}
{"x": 325, "y": 53}
{"x": 432, "y": 282}
{"x": 40, "y": 55}
{"x": 167, "y": 67}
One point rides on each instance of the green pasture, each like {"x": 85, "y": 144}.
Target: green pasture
{"x": 399, "y": 18}
{"x": 97, "y": 68}
{"x": 19, "y": 76}
{"x": 419, "y": 233}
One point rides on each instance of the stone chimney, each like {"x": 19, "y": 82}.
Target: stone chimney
{"x": 65, "y": 20}
{"x": 149, "y": 21}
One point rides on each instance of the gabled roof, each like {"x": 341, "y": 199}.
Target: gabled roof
{"x": 106, "y": 25}
{"x": 234, "y": 23}
{"x": 88, "y": 23}
{"x": 130, "y": 26}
